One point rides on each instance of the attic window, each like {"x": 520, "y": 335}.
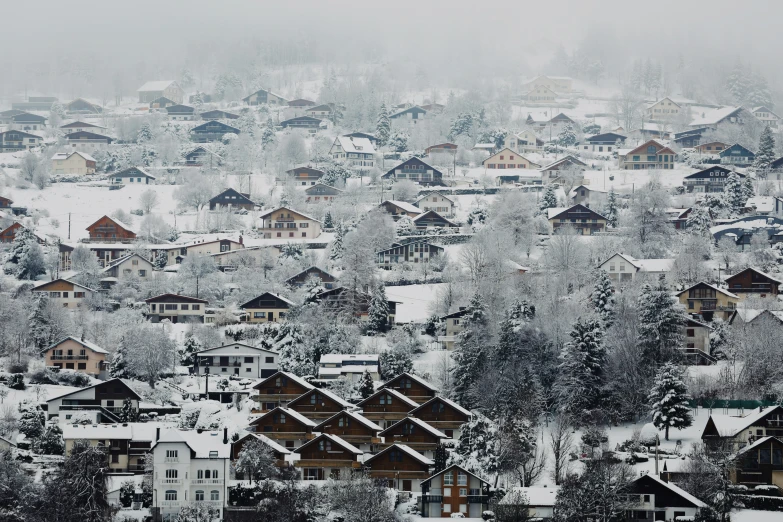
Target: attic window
{"x": 213, "y": 454}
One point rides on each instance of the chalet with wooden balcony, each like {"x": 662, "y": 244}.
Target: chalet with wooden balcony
{"x": 82, "y": 106}
{"x": 78, "y": 355}
{"x": 753, "y": 282}
{"x": 431, "y": 219}
{"x": 231, "y": 199}
{"x": 267, "y": 308}
{"x": 314, "y": 273}
{"x": 263, "y": 96}
{"x": 709, "y": 301}
{"x": 87, "y": 141}
{"x": 201, "y": 156}
{"x": 285, "y": 223}
{"x": 581, "y": 219}
{"x": 402, "y": 467}
{"x": 126, "y": 444}
{"x": 8, "y": 235}
{"x": 318, "y": 404}
{"x": 454, "y": 490}
{"x": 354, "y": 428}
{"x": 709, "y": 180}
{"x": 303, "y": 122}
{"x": 63, "y": 292}
{"x": 289, "y": 427}
{"x": 305, "y": 176}
{"x": 416, "y": 170}
{"x": 218, "y": 115}
{"x": 328, "y": 456}
{"x": 132, "y": 176}
{"x": 650, "y": 155}
{"x": 320, "y": 193}
{"x": 415, "y": 433}
{"x": 400, "y": 208}
{"x": 279, "y": 389}
{"x": 444, "y": 415}
{"x": 102, "y": 402}
{"x": 760, "y": 463}
{"x": 16, "y": 140}
{"x": 211, "y": 131}
{"x": 281, "y": 454}
{"x": 110, "y": 229}
{"x": 413, "y": 252}
{"x": 736, "y": 155}
{"x": 412, "y": 386}
{"x": 651, "y": 498}
{"x": 387, "y": 407}
{"x": 738, "y": 432}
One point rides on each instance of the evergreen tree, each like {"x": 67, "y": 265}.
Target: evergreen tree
{"x": 378, "y": 314}
{"x": 365, "y": 386}
{"x": 268, "y": 134}
{"x": 336, "y": 249}
{"x": 549, "y": 199}
{"x": 441, "y": 458}
{"x": 328, "y": 223}
{"x": 394, "y": 362}
{"x": 567, "y": 137}
{"x": 583, "y": 361}
{"x": 734, "y": 194}
{"x": 398, "y": 142}
{"x": 603, "y": 296}
{"x": 383, "y": 126}
{"x": 461, "y": 126}
{"x": 26, "y": 259}
{"x": 405, "y": 226}
{"x": 145, "y": 133}
{"x": 128, "y": 413}
{"x": 661, "y": 322}
{"x": 119, "y": 365}
{"x": 747, "y": 188}
{"x": 470, "y": 355}
{"x": 766, "y": 152}
{"x": 40, "y": 322}
{"x": 31, "y": 421}
{"x": 51, "y": 441}
{"x": 611, "y": 209}
{"x": 699, "y": 221}
{"x": 669, "y": 399}
{"x": 189, "y": 349}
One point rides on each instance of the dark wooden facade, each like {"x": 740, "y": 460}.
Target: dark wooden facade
{"x": 107, "y": 229}
{"x": 327, "y": 456}
{"x": 279, "y": 389}
{"x": 441, "y": 415}
{"x": 301, "y": 122}
{"x": 418, "y": 171}
{"x": 760, "y": 463}
{"x": 582, "y": 219}
{"x": 401, "y": 469}
{"x": 211, "y": 131}
{"x": 432, "y": 219}
{"x": 218, "y": 115}
{"x": 349, "y": 427}
{"x": 305, "y": 175}
{"x": 231, "y": 199}
{"x": 752, "y": 282}
{"x": 281, "y": 425}
{"x": 316, "y": 405}
{"x": 385, "y": 407}
{"x": 327, "y": 279}
{"x": 412, "y": 387}
{"x": 414, "y": 433}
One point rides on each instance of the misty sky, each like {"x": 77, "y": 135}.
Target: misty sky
{"x": 162, "y": 34}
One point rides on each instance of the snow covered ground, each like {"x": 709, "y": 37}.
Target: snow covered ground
{"x": 415, "y": 301}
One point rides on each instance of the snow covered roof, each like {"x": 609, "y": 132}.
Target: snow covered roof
{"x": 407, "y": 207}
{"x": 355, "y": 416}
{"x": 552, "y": 212}
{"x": 337, "y": 440}
{"x": 444, "y": 400}
{"x": 245, "y": 350}
{"x": 87, "y": 344}
{"x": 460, "y": 468}
{"x": 711, "y": 117}
{"x": 406, "y": 449}
{"x": 203, "y": 444}
{"x": 122, "y": 260}
{"x": 758, "y": 443}
{"x": 357, "y": 145}
{"x": 730, "y": 426}
{"x": 534, "y": 496}
{"x": 761, "y": 203}
{"x": 339, "y": 400}
{"x": 65, "y": 155}
{"x": 717, "y": 289}
{"x": 340, "y": 358}
{"x": 139, "y": 431}
{"x": 265, "y": 214}
{"x": 336, "y": 372}
{"x": 155, "y": 85}
{"x": 413, "y": 378}
{"x": 394, "y": 393}
{"x": 676, "y": 489}
{"x": 655, "y": 265}
{"x": 269, "y": 442}
{"x": 301, "y": 382}
{"x": 746, "y": 224}
{"x": 420, "y": 423}
{"x": 444, "y": 196}
{"x": 44, "y": 283}
{"x": 292, "y": 413}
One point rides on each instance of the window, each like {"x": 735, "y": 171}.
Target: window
{"x": 315, "y": 398}
{"x": 408, "y": 429}
{"x": 185, "y": 307}
{"x": 279, "y": 418}
{"x": 171, "y": 307}
{"x": 690, "y": 332}
{"x": 438, "y": 407}
{"x": 171, "y": 454}
{"x": 214, "y": 495}
{"x": 385, "y": 399}
{"x": 448, "y": 479}
{"x": 645, "y": 498}
{"x": 213, "y": 454}
{"x": 344, "y": 422}
{"x": 171, "y": 473}
{"x": 248, "y": 360}
{"x": 199, "y": 495}
{"x": 405, "y": 383}
{"x": 196, "y": 307}
{"x": 395, "y": 456}
{"x": 171, "y": 494}
{"x": 269, "y": 360}
{"x": 80, "y": 295}
{"x": 259, "y": 315}
{"x": 462, "y": 479}
{"x": 446, "y": 492}
{"x": 325, "y": 445}
{"x": 447, "y": 508}
{"x": 142, "y": 273}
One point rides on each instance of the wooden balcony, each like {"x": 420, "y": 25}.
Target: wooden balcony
{"x": 328, "y": 464}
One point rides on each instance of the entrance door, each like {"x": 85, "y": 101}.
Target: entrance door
{"x": 270, "y": 317}
{"x": 406, "y": 485}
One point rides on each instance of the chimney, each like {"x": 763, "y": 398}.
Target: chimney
{"x": 225, "y": 435}
{"x": 241, "y": 240}
{"x": 157, "y": 434}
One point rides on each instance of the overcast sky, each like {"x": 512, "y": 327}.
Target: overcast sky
{"x": 521, "y": 34}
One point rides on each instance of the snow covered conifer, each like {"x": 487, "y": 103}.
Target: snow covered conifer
{"x": 747, "y": 188}
{"x": 328, "y": 223}
{"x": 567, "y": 137}
{"x": 383, "y": 127}
{"x": 145, "y": 133}
{"x": 470, "y": 355}
{"x": 336, "y": 248}
{"x": 611, "y": 208}
{"x": 268, "y": 134}
{"x": 26, "y": 259}
{"x": 256, "y": 460}
{"x": 405, "y": 226}
{"x": 766, "y": 152}
{"x": 395, "y": 362}
{"x": 39, "y": 321}
{"x": 365, "y": 386}
{"x": 477, "y": 447}
{"x": 661, "y": 322}
{"x": 549, "y": 199}
{"x": 189, "y": 349}
{"x": 51, "y": 441}
{"x": 378, "y": 314}
{"x": 603, "y": 296}
{"x": 581, "y": 381}
{"x": 669, "y": 399}
{"x": 699, "y": 221}
{"x": 734, "y": 194}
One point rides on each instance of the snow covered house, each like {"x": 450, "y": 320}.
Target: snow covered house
{"x": 152, "y": 91}
{"x": 412, "y": 386}
{"x": 766, "y": 116}
{"x": 175, "y": 308}
{"x": 650, "y": 155}
{"x": 709, "y": 180}
{"x": 87, "y": 141}
{"x": 77, "y": 163}
{"x": 328, "y": 456}
{"x": 267, "y": 308}
{"x": 656, "y": 499}
{"x": 539, "y": 501}
{"x": 320, "y": 193}
{"x": 16, "y": 140}
{"x": 201, "y": 156}
{"x": 131, "y": 176}
{"x": 310, "y": 124}
{"x": 713, "y": 147}
{"x": 281, "y": 454}
{"x": 132, "y": 266}
{"x": 218, "y": 114}
{"x": 508, "y": 159}
{"x": 279, "y": 389}
{"x": 211, "y": 131}
{"x": 752, "y": 281}
{"x": 622, "y": 268}
{"x": 318, "y": 404}
{"x": 431, "y": 219}
{"x": 352, "y": 427}
{"x": 539, "y": 94}
{"x": 437, "y": 201}
{"x": 82, "y": 106}
{"x": 25, "y": 121}
{"x": 603, "y": 143}
{"x": 238, "y": 359}
{"x": 759, "y": 464}
{"x": 416, "y": 170}
{"x": 101, "y": 403}
{"x": 387, "y": 407}
{"x": 454, "y": 490}
{"x": 411, "y": 252}
{"x": 736, "y": 155}
{"x": 231, "y": 199}
{"x": 79, "y": 355}
{"x": 190, "y": 467}
{"x": 562, "y": 84}
{"x": 401, "y": 467}
{"x": 175, "y": 254}
{"x": 284, "y": 222}
{"x": 324, "y": 278}
{"x": 709, "y": 301}
{"x": 64, "y": 293}
{"x": 107, "y": 228}
{"x": 126, "y": 444}
{"x": 305, "y": 176}
{"x": 400, "y": 208}
{"x": 263, "y": 96}
{"x": 348, "y": 366}
{"x": 355, "y": 152}
{"x": 697, "y": 351}
{"x": 454, "y": 325}
{"x": 585, "y": 195}
{"x": 181, "y": 112}
{"x": 289, "y": 428}
{"x": 444, "y": 415}
{"x": 409, "y": 116}
{"x": 584, "y": 221}
{"x": 523, "y": 142}
{"x": 663, "y": 110}
{"x": 722, "y": 118}
{"x": 346, "y": 300}
{"x": 741, "y": 431}
{"x": 415, "y": 433}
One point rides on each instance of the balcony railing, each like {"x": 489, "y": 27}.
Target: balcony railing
{"x": 478, "y": 499}
{"x": 206, "y": 481}
{"x": 171, "y": 459}
{"x": 69, "y": 357}
{"x": 172, "y": 481}
{"x": 432, "y": 498}
{"x": 170, "y": 503}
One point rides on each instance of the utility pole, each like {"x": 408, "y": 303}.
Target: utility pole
{"x": 69, "y": 225}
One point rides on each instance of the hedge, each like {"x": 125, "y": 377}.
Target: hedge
{"x": 764, "y": 503}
